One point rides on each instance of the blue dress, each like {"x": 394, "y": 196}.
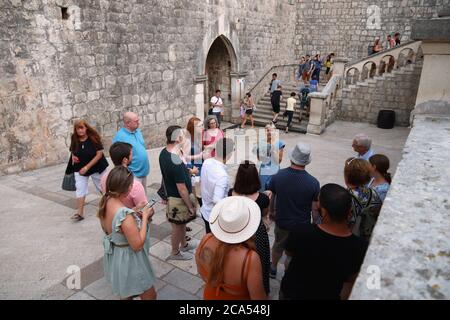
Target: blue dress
{"x": 382, "y": 190}
{"x": 129, "y": 272}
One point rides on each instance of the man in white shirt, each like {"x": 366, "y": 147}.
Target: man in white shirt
{"x": 216, "y": 106}
{"x": 214, "y": 179}
{"x": 362, "y": 145}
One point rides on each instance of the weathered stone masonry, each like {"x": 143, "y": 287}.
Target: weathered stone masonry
{"x": 348, "y": 27}
{"x": 111, "y": 56}
{"x": 148, "y": 56}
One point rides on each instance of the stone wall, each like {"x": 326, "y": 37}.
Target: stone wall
{"x": 105, "y": 56}
{"x": 394, "y": 91}
{"x": 348, "y": 27}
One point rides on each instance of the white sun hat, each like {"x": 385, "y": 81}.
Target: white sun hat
{"x": 235, "y": 219}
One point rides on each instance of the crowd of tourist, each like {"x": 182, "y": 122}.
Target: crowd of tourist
{"x": 234, "y": 258}
{"x": 391, "y": 42}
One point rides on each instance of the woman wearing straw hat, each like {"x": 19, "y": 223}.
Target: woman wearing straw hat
{"x": 226, "y": 258}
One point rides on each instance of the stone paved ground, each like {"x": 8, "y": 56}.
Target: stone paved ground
{"x": 38, "y": 242}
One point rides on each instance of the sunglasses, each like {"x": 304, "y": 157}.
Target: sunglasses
{"x": 350, "y": 161}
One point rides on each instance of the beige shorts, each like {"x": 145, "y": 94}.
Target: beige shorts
{"x": 281, "y": 237}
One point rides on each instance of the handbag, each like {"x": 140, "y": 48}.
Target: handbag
{"x": 177, "y": 212}
{"x": 68, "y": 183}
{"x": 162, "y": 191}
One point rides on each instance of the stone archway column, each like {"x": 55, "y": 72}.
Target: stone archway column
{"x": 200, "y": 86}
{"x": 237, "y": 93}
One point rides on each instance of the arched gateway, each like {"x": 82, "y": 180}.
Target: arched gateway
{"x": 220, "y": 63}
{"x": 218, "y": 67}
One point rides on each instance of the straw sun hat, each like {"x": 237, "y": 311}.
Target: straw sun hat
{"x": 235, "y": 219}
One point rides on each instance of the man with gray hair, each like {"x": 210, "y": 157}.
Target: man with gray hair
{"x": 362, "y": 145}
{"x": 130, "y": 133}
{"x": 297, "y": 194}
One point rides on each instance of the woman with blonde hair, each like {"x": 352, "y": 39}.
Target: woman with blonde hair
{"x": 126, "y": 241}
{"x": 366, "y": 202}
{"x": 88, "y": 160}
{"x": 226, "y": 258}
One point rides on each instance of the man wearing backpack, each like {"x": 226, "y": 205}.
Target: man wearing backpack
{"x": 304, "y": 100}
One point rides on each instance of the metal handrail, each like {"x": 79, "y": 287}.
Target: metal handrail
{"x": 270, "y": 70}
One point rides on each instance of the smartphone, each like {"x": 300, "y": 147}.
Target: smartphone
{"x": 150, "y": 204}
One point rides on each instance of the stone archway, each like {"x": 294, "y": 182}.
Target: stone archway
{"x": 220, "y": 33}
{"x": 220, "y": 63}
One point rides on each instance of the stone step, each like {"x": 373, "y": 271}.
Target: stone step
{"x": 281, "y": 125}
{"x": 266, "y": 100}
{"x": 268, "y": 112}
{"x": 407, "y": 69}
{"x": 267, "y": 118}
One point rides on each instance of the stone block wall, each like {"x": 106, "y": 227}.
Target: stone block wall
{"x": 348, "y": 27}
{"x": 107, "y": 56}
{"x": 94, "y": 59}
{"x": 394, "y": 91}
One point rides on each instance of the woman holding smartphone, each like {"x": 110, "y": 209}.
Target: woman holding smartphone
{"x": 126, "y": 263}
{"x": 88, "y": 160}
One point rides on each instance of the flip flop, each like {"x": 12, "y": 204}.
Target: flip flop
{"x": 77, "y": 217}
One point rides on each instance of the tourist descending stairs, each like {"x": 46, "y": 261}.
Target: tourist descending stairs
{"x": 264, "y": 115}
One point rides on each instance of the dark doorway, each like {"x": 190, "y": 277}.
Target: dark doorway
{"x": 218, "y": 68}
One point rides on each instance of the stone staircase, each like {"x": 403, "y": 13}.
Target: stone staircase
{"x": 396, "y": 90}
{"x": 370, "y": 82}
{"x": 263, "y": 113}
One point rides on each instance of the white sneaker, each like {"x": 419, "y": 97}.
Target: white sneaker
{"x": 180, "y": 256}
{"x": 191, "y": 246}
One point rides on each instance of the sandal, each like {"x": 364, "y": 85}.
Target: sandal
{"x": 77, "y": 217}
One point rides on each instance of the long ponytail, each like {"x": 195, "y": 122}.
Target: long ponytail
{"x": 381, "y": 163}
{"x": 388, "y": 177}
{"x": 118, "y": 183}
{"x": 102, "y": 207}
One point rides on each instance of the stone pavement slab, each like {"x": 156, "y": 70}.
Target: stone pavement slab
{"x": 38, "y": 242}
{"x": 169, "y": 292}
{"x": 185, "y": 280}
{"x": 81, "y": 296}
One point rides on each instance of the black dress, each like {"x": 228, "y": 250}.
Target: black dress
{"x": 262, "y": 240}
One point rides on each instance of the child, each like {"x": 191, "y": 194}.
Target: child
{"x": 290, "y": 106}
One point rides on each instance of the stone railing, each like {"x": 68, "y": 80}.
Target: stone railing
{"x": 324, "y": 104}
{"x": 409, "y": 253}
{"x": 379, "y": 63}
{"x": 286, "y": 73}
